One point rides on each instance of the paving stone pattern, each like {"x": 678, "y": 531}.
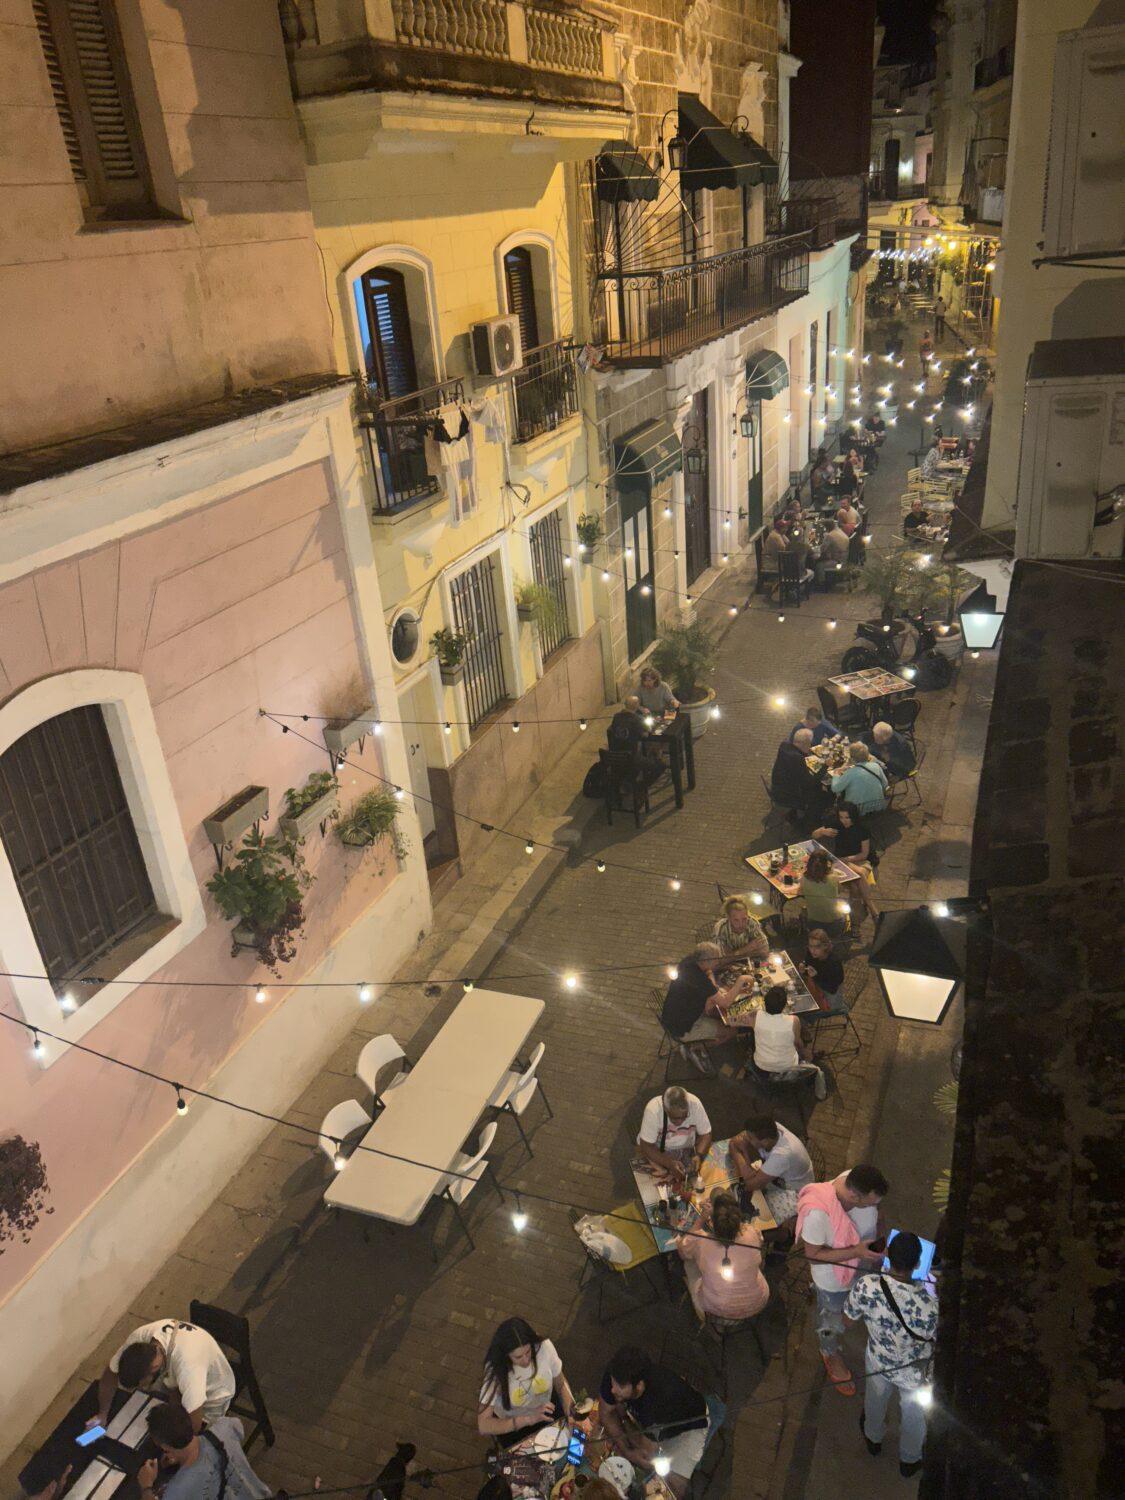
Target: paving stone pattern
{"x": 361, "y": 1339}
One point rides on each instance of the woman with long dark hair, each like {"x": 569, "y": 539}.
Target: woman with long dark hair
{"x": 524, "y": 1386}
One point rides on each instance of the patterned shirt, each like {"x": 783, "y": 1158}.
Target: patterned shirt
{"x": 890, "y": 1349}
{"x": 730, "y": 941}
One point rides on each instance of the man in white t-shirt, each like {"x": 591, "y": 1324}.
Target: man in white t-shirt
{"x": 838, "y": 1254}
{"x": 785, "y": 1169}
{"x": 674, "y": 1129}
{"x": 170, "y": 1355}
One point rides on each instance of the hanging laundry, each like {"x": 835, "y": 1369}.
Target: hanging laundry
{"x": 451, "y": 447}
{"x": 488, "y": 412}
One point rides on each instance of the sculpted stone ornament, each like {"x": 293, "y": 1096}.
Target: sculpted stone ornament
{"x": 751, "y": 99}
{"x": 694, "y": 72}
{"x": 625, "y": 65}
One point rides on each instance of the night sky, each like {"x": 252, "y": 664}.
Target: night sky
{"x": 908, "y": 24}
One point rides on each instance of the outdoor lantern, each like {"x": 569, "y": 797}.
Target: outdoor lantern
{"x": 693, "y": 453}
{"x": 677, "y": 148}
{"x": 981, "y": 622}
{"x": 749, "y": 423}
{"x": 919, "y": 973}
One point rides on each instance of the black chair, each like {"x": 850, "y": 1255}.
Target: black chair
{"x": 857, "y": 551}
{"x": 903, "y": 715}
{"x": 840, "y": 708}
{"x": 232, "y": 1332}
{"x": 726, "y": 1329}
{"x": 793, "y": 578}
{"x": 624, "y": 772}
{"x": 790, "y": 810}
{"x": 670, "y": 1046}
{"x": 782, "y": 1088}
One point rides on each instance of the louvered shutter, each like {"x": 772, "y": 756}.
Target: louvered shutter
{"x": 520, "y": 284}
{"x": 94, "y": 100}
{"x": 393, "y": 371}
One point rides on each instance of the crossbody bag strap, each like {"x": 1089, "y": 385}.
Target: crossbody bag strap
{"x": 923, "y": 1338}
{"x": 224, "y": 1460}
{"x": 663, "y": 1127}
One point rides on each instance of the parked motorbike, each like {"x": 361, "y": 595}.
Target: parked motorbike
{"x": 882, "y": 645}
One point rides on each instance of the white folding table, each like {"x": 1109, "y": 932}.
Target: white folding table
{"x": 429, "y": 1115}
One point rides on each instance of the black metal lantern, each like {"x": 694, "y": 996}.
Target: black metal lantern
{"x": 749, "y": 422}
{"x": 677, "y": 151}
{"x": 693, "y": 453}
{"x": 913, "y": 955}
{"x": 981, "y": 622}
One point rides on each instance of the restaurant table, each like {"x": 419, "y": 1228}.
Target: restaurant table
{"x": 91, "y": 1477}
{"x": 718, "y": 1172}
{"x": 873, "y": 687}
{"x": 674, "y": 735}
{"x": 785, "y": 882}
{"x": 767, "y": 974}
{"x": 428, "y": 1117}
{"x": 827, "y": 757}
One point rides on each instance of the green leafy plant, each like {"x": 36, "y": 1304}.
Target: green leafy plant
{"x": 589, "y": 529}
{"x": 262, "y": 891}
{"x": 448, "y": 646}
{"x": 941, "y": 1190}
{"x": 319, "y": 784}
{"x": 945, "y": 1099}
{"x": 938, "y": 586}
{"x": 372, "y": 817}
{"x": 537, "y": 601}
{"x": 23, "y": 1188}
{"x": 687, "y": 655}
{"x": 891, "y": 574}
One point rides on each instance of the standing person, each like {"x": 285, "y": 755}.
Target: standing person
{"x": 836, "y": 1221}
{"x": 524, "y": 1386}
{"x": 785, "y": 1166}
{"x": 645, "y": 1409}
{"x": 926, "y": 354}
{"x": 939, "y": 317}
{"x": 901, "y": 1317}
{"x": 172, "y": 1356}
{"x": 210, "y": 1465}
{"x": 779, "y": 1048}
{"x": 675, "y": 1132}
{"x": 723, "y": 1262}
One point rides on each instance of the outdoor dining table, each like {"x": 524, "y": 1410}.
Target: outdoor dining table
{"x": 873, "y": 687}
{"x": 718, "y": 1171}
{"x": 674, "y": 735}
{"x": 779, "y": 968}
{"x": 785, "y": 881}
{"x": 429, "y": 1115}
{"x": 92, "y": 1477}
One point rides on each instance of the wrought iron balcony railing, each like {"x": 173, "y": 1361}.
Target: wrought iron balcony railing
{"x": 991, "y": 69}
{"x": 815, "y": 217}
{"x": 395, "y": 433}
{"x": 653, "y": 316}
{"x": 545, "y": 391}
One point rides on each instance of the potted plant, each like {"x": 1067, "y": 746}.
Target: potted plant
{"x": 449, "y": 648}
{"x": 23, "y": 1187}
{"x": 236, "y": 815}
{"x": 686, "y": 656}
{"x": 343, "y": 730}
{"x": 589, "y": 529}
{"x": 372, "y": 817}
{"x": 940, "y": 587}
{"x": 262, "y": 892}
{"x": 310, "y": 806}
{"x": 537, "y": 604}
{"x": 891, "y": 575}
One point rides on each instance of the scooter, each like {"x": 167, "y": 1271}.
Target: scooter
{"x": 882, "y": 646}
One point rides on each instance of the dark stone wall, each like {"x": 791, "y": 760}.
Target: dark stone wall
{"x": 830, "y": 98}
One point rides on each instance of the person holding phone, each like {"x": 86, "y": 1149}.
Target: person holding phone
{"x": 171, "y": 1356}
{"x": 208, "y": 1465}
{"x": 524, "y": 1387}
{"x": 901, "y": 1317}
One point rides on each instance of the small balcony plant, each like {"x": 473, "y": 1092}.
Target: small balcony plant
{"x": 262, "y": 891}
{"x": 535, "y": 602}
{"x": 310, "y": 806}
{"x": 372, "y": 817}
{"x": 449, "y": 647}
{"x": 589, "y": 529}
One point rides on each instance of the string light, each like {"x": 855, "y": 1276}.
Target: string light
{"x": 68, "y": 1002}
{"x": 599, "y": 865}
{"x": 448, "y": 727}
{"x": 571, "y": 981}
{"x": 377, "y": 728}
{"x": 628, "y": 551}
{"x": 715, "y": 712}
{"x": 832, "y": 624}
{"x": 519, "y": 1216}
{"x": 529, "y": 847}
{"x": 673, "y": 972}
{"x": 581, "y": 549}
{"x": 726, "y": 1270}
{"x": 676, "y": 883}
{"x": 339, "y": 1160}
{"x": 364, "y": 993}
{"x": 260, "y": 995}
{"x": 780, "y": 702}
{"x": 781, "y": 619}
{"x": 668, "y": 512}
{"x": 733, "y": 611}
{"x": 181, "y": 1102}
{"x": 940, "y": 909}
{"x": 566, "y": 560}
{"x": 605, "y": 575}
{"x": 649, "y": 722}
{"x": 924, "y": 1395}
{"x": 399, "y": 794}
{"x": 726, "y": 557}
{"x": 466, "y": 985}
{"x": 515, "y": 726}
{"x": 757, "y": 898}
{"x": 37, "y": 1046}
{"x": 645, "y": 590}
{"x": 583, "y": 724}
{"x": 661, "y": 1464}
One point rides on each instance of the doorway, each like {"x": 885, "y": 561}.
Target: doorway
{"x": 754, "y": 469}
{"x": 697, "y": 488}
{"x": 890, "y": 167}
{"x": 635, "y": 500}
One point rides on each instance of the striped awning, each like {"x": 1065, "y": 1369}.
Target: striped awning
{"x": 767, "y": 375}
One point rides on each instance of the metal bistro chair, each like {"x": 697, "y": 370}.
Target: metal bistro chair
{"x": 790, "y": 811}
{"x": 903, "y": 716}
{"x": 232, "y": 1332}
{"x": 629, "y": 1225}
{"x": 714, "y": 1447}
{"x": 517, "y": 1090}
{"x": 839, "y": 1052}
{"x": 623, "y": 772}
{"x": 906, "y": 783}
{"x": 793, "y": 578}
{"x": 726, "y": 1329}
{"x": 670, "y": 1046}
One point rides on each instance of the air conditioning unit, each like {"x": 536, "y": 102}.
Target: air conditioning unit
{"x": 497, "y": 346}
{"x": 1072, "y": 450}
{"x": 1084, "y": 203}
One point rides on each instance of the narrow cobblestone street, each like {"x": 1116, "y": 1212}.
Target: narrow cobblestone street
{"x": 360, "y": 1338}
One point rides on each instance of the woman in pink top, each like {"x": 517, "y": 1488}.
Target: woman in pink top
{"x": 724, "y": 1267}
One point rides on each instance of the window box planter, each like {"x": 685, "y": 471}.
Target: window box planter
{"x": 316, "y": 815}
{"x": 526, "y": 613}
{"x": 235, "y": 816}
{"x": 451, "y": 676}
{"x": 340, "y": 737}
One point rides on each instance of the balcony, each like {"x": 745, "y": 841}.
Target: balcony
{"x": 552, "y": 52}
{"x": 395, "y": 433}
{"x": 654, "y": 316}
{"x": 992, "y": 69}
{"x": 545, "y": 391}
{"x": 814, "y": 217}
{"x": 982, "y": 186}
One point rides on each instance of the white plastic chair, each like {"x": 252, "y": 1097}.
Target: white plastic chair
{"x": 469, "y": 1169}
{"x": 378, "y": 1054}
{"x": 341, "y": 1121}
{"x": 517, "y": 1090}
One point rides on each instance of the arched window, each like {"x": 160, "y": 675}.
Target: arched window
{"x": 519, "y": 280}
{"x": 388, "y": 342}
{"x": 71, "y": 843}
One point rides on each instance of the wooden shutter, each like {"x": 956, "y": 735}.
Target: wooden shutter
{"x": 393, "y": 370}
{"x": 94, "y": 100}
{"x": 520, "y": 283}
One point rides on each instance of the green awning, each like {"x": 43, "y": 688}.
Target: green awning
{"x": 623, "y": 175}
{"x": 648, "y": 454}
{"x": 717, "y": 157}
{"x": 767, "y": 375}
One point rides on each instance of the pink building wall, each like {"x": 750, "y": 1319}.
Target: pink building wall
{"x": 243, "y": 604}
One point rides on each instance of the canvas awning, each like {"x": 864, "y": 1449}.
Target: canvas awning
{"x": 623, "y": 175}
{"x": 648, "y": 454}
{"x": 767, "y": 375}
{"x": 717, "y": 157}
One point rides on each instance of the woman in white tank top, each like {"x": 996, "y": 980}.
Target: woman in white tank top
{"x": 775, "y": 1043}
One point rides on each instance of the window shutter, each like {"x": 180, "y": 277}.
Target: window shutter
{"x": 392, "y": 345}
{"x": 94, "y": 99}
{"x": 520, "y": 284}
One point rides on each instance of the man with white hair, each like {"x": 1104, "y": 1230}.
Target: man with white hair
{"x": 675, "y": 1131}
{"x": 891, "y": 748}
{"x": 694, "y": 1004}
{"x": 791, "y": 781}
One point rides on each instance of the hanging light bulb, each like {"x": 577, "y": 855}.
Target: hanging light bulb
{"x": 581, "y": 548}
{"x": 646, "y": 589}
{"x": 260, "y": 995}
{"x": 448, "y": 727}
{"x": 529, "y": 847}
{"x": 466, "y": 985}
{"x": 975, "y": 655}
{"x": 757, "y": 898}
{"x": 583, "y": 723}
{"x": 364, "y": 993}
{"x": 787, "y": 418}
{"x": 940, "y": 909}
{"x": 628, "y": 551}
{"x": 924, "y": 1395}
{"x": 566, "y": 560}
{"x": 67, "y": 1002}
{"x": 599, "y": 865}
{"x": 726, "y": 1270}
{"x": 733, "y": 611}
{"x": 910, "y": 405}
{"x": 668, "y": 512}
{"x": 780, "y": 701}
{"x": 775, "y": 960}
{"x": 673, "y": 972}
{"x": 399, "y": 794}
{"x": 181, "y": 1102}
{"x": 832, "y": 624}
{"x": 650, "y": 722}
{"x": 781, "y": 619}
{"x": 515, "y": 726}
{"x": 519, "y": 1217}
{"x": 605, "y": 575}
{"x": 571, "y": 981}
{"x": 715, "y": 711}
{"x": 377, "y": 727}
{"x": 886, "y": 630}
{"x": 339, "y": 1160}
{"x": 726, "y": 557}
{"x": 909, "y": 673}
{"x": 866, "y": 360}
{"x": 662, "y": 1464}
{"x": 850, "y": 354}
{"x": 676, "y": 883}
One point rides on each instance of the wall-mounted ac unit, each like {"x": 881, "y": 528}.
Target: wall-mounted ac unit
{"x": 1072, "y": 449}
{"x": 1084, "y": 203}
{"x": 497, "y": 346}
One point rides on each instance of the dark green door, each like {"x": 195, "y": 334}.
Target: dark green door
{"x": 637, "y": 562}
{"x": 754, "y": 471}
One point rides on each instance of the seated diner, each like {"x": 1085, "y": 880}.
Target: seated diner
{"x": 655, "y": 694}
{"x": 723, "y": 1262}
{"x": 784, "y": 1165}
{"x": 737, "y": 933}
{"x": 694, "y": 1003}
{"x": 779, "y": 1048}
{"x": 645, "y": 1408}
{"x": 822, "y": 971}
{"x": 524, "y": 1386}
{"x": 675, "y": 1131}
{"x": 864, "y": 782}
{"x": 850, "y": 838}
{"x": 818, "y": 726}
{"x": 821, "y": 893}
